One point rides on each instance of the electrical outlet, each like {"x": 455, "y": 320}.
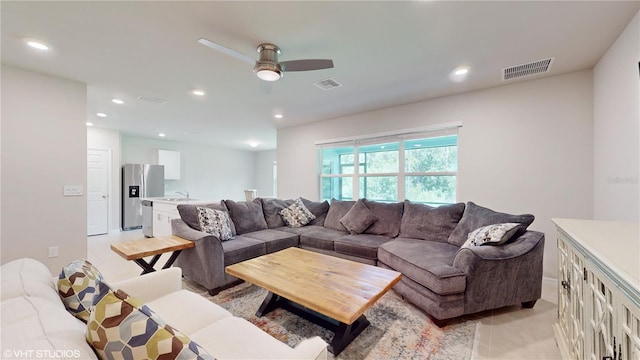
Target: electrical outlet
{"x": 53, "y": 251}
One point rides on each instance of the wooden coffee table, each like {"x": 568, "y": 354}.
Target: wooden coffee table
{"x": 138, "y": 249}
{"x": 330, "y": 291}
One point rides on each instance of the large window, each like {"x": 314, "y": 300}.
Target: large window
{"x": 418, "y": 167}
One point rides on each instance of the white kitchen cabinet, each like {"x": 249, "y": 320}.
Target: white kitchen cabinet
{"x": 163, "y": 213}
{"x": 598, "y": 290}
{"x": 171, "y": 161}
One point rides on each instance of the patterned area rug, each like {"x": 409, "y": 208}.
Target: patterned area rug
{"x": 398, "y": 329}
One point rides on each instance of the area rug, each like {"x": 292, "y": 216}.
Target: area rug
{"x": 398, "y": 329}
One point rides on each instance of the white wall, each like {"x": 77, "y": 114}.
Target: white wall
{"x": 208, "y": 173}
{"x": 44, "y": 142}
{"x": 105, "y": 139}
{"x": 264, "y": 172}
{"x": 523, "y": 148}
{"x": 616, "y": 118}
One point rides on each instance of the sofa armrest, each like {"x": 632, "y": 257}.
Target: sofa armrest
{"x": 203, "y": 263}
{"x": 312, "y": 348}
{"x": 153, "y": 285}
{"x": 504, "y": 275}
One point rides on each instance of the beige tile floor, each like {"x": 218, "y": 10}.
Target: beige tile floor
{"x": 508, "y": 333}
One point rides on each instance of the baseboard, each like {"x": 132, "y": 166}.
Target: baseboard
{"x": 551, "y": 281}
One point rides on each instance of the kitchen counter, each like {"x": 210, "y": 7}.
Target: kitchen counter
{"x": 179, "y": 200}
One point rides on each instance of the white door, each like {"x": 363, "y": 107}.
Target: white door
{"x": 98, "y": 191}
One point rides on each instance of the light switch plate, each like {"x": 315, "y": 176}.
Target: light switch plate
{"x": 73, "y": 190}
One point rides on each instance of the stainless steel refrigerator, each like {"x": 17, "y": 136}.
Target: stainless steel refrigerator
{"x": 139, "y": 181}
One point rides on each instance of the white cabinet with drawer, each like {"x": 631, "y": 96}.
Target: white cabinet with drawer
{"x": 163, "y": 213}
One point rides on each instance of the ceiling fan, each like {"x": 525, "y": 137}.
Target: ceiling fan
{"x": 267, "y": 66}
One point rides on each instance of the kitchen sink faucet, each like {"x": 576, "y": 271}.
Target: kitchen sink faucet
{"x": 185, "y": 194}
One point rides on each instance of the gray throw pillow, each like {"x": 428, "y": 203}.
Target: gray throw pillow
{"x": 337, "y": 210}
{"x": 358, "y": 218}
{"x": 475, "y": 217}
{"x": 189, "y": 214}
{"x": 389, "y": 217}
{"x": 424, "y": 222}
{"x": 247, "y": 216}
{"x": 271, "y": 209}
{"x": 319, "y": 210}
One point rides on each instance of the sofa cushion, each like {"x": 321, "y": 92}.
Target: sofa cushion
{"x": 337, "y": 210}
{"x": 189, "y": 214}
{"x": 35, "y": 323}
{"x": 77, "y": 284}
{"x": 28, "y": 277}
{"x": 296, "y": 214}
{"x": 122, "y": 327}
{"x": 215, "y": 222}
{"x": 320, "y": 238}
{"x": 358, "y": 218}
{"x": 271, "y": 209}
{"x": 247, "y": 216}
{"x": 194, "y": 313}
{"x": 389, "y": 218}
{"x": 475, "y": 216}
{"x": 428, "y": 263}
{"x": 274, "y": 240}
{"x": 361, "y": 245}
{"x": 301, "y": 230}
{"x": 242, "y": 248}
{"x": 319, "y": 209}
{"x": 429, "y": 223}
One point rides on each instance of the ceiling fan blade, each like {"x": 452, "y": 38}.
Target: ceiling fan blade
{"x": 227, "y": 51}
{"x": 305, "y": 65}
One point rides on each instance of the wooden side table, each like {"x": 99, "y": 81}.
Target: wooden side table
{"x": 138, "y": 249}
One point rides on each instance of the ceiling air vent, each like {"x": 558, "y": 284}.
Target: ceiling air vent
{"x": 152, "y": 99}
{"x": 528, "y": 69}
{"x": 327, "y": 84}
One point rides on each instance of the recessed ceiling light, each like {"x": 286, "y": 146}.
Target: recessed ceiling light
{"x": 459, "y": 74}
{"x": 461, "y": 71}
{"x": 89, "y": 124}
{"x": 253, "y": 144}
{"x": 103, "y": 115}
{"x": 117, "y": 101}
{"x": 161, "y": 135}
{"x": 37, "y": 45}
{"x": 198, "y": 92}
{"x": 278, "y": 116}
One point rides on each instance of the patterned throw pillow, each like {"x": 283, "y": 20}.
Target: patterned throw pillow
{"x": 495, "y": 234}
{"x": 121, "y": 327}
{"x": 77, "y": 285}
{"x": 215, "y": 222}
{"x": 296, "y": 214}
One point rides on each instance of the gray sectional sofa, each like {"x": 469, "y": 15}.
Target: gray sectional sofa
{"x": 442, "y": 273}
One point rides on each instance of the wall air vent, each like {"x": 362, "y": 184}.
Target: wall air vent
{"x": 327, "y": 84}
{"x": 152, "y": 99}
{"x": 528, "y": 69}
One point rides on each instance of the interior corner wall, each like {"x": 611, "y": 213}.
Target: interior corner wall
{"x": 523, "y": 148}
{"x": 616, "y": 136}
{"x": 264, "y": 172}
{"x": 106, "y": 139}
{"x": 44, "y": 142}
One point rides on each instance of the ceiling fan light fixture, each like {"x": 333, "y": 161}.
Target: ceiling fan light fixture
{"x": 268, "y": 72}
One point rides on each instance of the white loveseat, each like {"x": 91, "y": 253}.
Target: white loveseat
{"x": 35, "y": 323}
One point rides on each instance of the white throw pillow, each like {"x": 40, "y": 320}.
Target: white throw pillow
{"x": 495, "y": 234}
{"x": 296, "y": 214}
{"x": 215, "y": 222}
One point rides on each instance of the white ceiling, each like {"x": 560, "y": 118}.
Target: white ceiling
{"x": 385, "y": 54}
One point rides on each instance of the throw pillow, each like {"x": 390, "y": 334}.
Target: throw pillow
{"x": 319, "y": 209}
{"x": 358, "y": 218}
{"x": 271, "y": 209}
{"x": 424, "y": 222}
{"x": 337, "y": 210}
{"x": 475, "y": 216}
{"x": 389, "y": 217}
{"x": 77, "y": 285}
{"x": 121, "y": 327}
{"x": 189, "y": 214}
{"x": 215, "y": 222}
{"x": 247, "y": 216}
{"x": 495, "y": 234}
{"x": 296, "y": 214}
